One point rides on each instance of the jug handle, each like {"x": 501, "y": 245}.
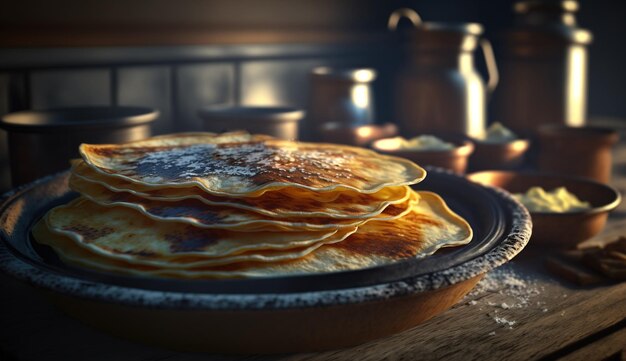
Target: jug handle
{"x": 492, "y": 66}
{"x": 410, "y": 14}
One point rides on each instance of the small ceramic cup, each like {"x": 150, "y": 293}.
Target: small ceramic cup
{"x": 581, "y": 151}
{"x": 454, "y": 159}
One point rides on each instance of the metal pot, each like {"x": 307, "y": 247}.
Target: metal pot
{"x": 543, "y": 60}
{"x": 339, "y": 96}
{"x": 280, "y": 122}
{"x": 43, "y": 141}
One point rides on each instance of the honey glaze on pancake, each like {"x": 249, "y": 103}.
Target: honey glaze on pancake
{"x": 244, "y": 167}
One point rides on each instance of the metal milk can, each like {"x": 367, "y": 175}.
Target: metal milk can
{"x": 543, "y": 62}
{"x": 438, "y": 89}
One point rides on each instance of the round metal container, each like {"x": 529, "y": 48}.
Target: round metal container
{"x": 438, "y": 88}
{"x": 280, "y": 122}
{"x": 43, "y": 141}
{"x": 543, "y": 59}
{"x": 339, "y": 97}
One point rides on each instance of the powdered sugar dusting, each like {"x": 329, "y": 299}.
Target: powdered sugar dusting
{"x": 239, "y": 160}
{"x": 503, "y": 321}
{"x": 518, "y": 289}
{"x": 191, "y": 162}
{"x": 514, "y": 291}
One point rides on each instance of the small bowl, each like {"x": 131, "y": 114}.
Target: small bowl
{"x": 280, "y": 122}
{"x": 506, "y": 155}
{"x": 358, "y": 135}
{"x": 579, "y": 151}
{"x": 560, "y": 230}
{"x": 454, "y": 159}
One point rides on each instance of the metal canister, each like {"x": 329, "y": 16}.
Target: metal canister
{"x": 280, "y": 122}
{"x": 438, "y": 89}
{"x": 340, "y": 98}
{"x": 543, "y": 62}
{"x": 43, "y": 141}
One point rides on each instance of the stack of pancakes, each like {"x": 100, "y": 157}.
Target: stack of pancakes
{"x": 204, "y": 205}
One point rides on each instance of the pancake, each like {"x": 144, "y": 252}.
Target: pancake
{"x": 276, "y": 204}
{"x": 428, "y": 226}
{"x": 64, "y": 244}
{"x": 196, "y": 213}
{"x": 205, "y": 205}
{"x": 124, "y": 233}
{"x": 229, "y": 165}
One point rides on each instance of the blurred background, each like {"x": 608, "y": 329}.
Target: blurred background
{"x": 178, "y": 56}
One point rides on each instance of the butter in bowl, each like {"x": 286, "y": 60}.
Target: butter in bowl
{"x": 498, "y": 148}
{"x": 565, "y": 210}
{"x": 444, "y": 151}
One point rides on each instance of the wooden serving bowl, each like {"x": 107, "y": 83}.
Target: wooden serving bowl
{"x": 455, "y": 159}
{"x": 562, "y": 230}
{"x": 297, "y": 313}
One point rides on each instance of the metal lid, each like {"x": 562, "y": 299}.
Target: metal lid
{"x": 548, "y": 36}
{"x": 63, "y": 119}
{"x": 548, "y": 22}
{"x": 527, "y": 6}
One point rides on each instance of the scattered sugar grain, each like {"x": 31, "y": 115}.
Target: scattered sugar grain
{"x": 504, "y": 322}
{"x": 507, "y": 282}
{"x": 519, "y": 291}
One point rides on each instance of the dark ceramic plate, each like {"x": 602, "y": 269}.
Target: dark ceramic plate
{"x": 501, "y": 229}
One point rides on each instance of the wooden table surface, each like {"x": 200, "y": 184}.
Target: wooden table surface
{"x": 518, "y": 312}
